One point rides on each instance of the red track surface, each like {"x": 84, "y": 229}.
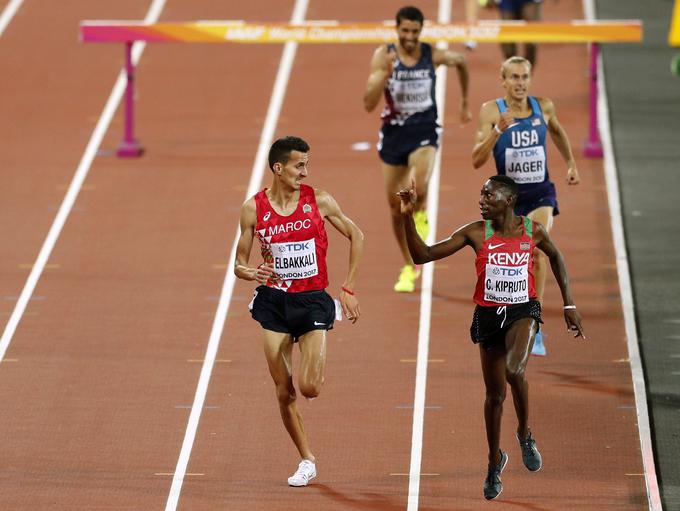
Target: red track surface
{"x": 96, "y": 381}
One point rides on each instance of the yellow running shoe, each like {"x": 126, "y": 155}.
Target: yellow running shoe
{"x": 407, "y": 279}
{"x": 422, "y": 225}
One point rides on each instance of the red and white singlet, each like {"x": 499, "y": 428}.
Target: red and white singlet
{"x": 505, "y": 268}
{"x": 295, "y": 245}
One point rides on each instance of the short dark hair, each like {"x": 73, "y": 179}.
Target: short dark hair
{"x": 410, "y": 13}
{"x": 281, "y": 149}
{"x": 507, "y": 183}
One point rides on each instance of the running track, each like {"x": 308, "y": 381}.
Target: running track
{"x": 100, "y": 375}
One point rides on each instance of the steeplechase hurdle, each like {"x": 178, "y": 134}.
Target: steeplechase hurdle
{"x": 324, "y": 32}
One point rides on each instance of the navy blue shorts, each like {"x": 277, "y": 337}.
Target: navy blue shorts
{"x": 293, "y": 313}
{"x": 396, "y": 143}
{"x": 490, "y": 324}
{"x": 536, "y": 198}
{"x": 515, "y": 6}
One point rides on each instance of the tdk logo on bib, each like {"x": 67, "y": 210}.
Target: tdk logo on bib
{"x": 527, "y": 153}
{"x": 509, "y": 272}
{"x": 292, "y": 247}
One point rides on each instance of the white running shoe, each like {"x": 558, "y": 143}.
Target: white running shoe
{"x": 305, "y": 472}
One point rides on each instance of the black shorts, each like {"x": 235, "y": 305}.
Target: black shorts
{"x": 293, "y": 313}
{"x": 490, "y": 324}
{"x": 398, "y": 142}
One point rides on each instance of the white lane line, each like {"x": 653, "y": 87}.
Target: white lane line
{"x": 74, "y": 188}
{"x": 8, "y": 13}
{"x": 444, "y": 16}
{"x": 623, "y": 269}
{"x": 266, "y": 137}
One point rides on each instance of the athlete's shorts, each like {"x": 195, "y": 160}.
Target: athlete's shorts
{"x": 515, "y": 6}
{"x": 535, "y": 198}
{"x": 293, "y": 313}
{"x": 396, "y": 143}
{"x": 490, "y": 324}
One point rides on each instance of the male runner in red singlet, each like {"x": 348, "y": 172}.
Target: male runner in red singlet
{"x": 507, "y": 314}
{"x": 290, "y": 303}
{"x": 514, "y": 129}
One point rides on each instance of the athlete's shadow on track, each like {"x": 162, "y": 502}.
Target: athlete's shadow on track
{"x": 525, "y": 505}
{"x": 583, "y": 383}
{"x": 366, "y": 500}
{"x": 379, "y": 502}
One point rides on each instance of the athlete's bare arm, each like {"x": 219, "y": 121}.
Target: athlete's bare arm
{"x": 454, "y": 59}
{"x": 561, "y": 140}
{"x": 559, "y": 269}
{"x": 420, "y": 251}
{"x": 245, "y": 245}
{"x": 330, "y": 210}
{"x": 487, "y": 136}
{"x": 382, "y": 64}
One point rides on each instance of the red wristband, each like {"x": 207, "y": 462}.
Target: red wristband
{"x": 347, "y": 291}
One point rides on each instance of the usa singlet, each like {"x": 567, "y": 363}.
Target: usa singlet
{"x": 410, "y": 91}
{"x": 505, "y": 268}
{"x": 520, "y": 150}
{"x": 295, "y": 245}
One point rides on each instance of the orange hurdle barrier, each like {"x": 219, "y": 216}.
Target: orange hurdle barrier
{"x": 325, "y": 32}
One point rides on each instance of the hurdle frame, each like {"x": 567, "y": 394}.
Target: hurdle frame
{"x": 319, "y": 32}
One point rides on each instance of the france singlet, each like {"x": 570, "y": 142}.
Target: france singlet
{"x": 410, "y": 91}
{"x": 505, "y": 268}
{"x": 295, "y": 245}
{"x": 520, "y": 150}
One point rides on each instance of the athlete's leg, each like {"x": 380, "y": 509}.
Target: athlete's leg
{"x": 312, "y": 363}
{"x": 493, "y": 370}
{"x": 278, "y": 348}
{"x": 471, "y": 11}
{"x": 396, "y": 177}
{"x": 531, "y": 11}
{"x": 508, "y": 49}
{"x": 544, "y": 216}
{"x": 518, "y": 342}
{"x": 421, "y": 163}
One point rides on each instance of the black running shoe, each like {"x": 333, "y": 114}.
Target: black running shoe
{"x": 530, "y": 455}
{"x": 492, "y": 484}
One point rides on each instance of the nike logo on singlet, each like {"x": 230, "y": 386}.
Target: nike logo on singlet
{"x": 492, "y": 246}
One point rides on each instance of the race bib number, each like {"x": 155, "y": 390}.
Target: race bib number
{"x": 295, "y": 260}
{"x": 412, "y": 96}
{"x": 506, "y": 284}
{"x": 525, "y": 164}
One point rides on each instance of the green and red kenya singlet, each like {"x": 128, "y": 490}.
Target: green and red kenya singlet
{"x": 505, "y": 268}
{"x": 295, "y": 245}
